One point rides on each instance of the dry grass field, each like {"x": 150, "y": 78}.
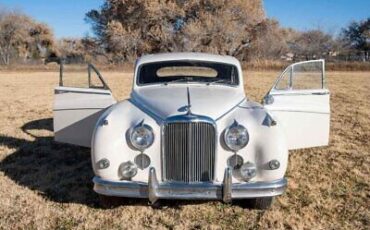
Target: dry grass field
{"x": 46, "y": 185}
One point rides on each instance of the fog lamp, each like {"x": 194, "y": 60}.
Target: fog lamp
{"x": 142, "y": 161}
{"x": 248, "y": 171}
{"x": 127, "y": 170}
{"x": 235, "y": 161}
{"x": 274, "y": 164}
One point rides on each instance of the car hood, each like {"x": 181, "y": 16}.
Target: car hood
{"x": 166, "y": 101}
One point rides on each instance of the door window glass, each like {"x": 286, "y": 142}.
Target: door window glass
{"x": 75, "y": 76}
{"x": 305, "y": 75}
{"x": 81, "y": 76}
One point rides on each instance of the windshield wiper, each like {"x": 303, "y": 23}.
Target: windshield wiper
{"x": 217, "y": 81}
{"x": 176, "y": 80}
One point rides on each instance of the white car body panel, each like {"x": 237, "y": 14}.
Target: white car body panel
{"x": 170, "y": 100}
{"x": 304, "y": 114}
{"x": 119, "y": 151}
{"x": 302, "y": 120}
{"x": 76, "y": 111}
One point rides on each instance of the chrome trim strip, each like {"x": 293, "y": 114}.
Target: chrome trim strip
{"x": 202, "y": 191}
{"x": 295, "y": 93}
{"x": 97, "y": 108}
{"x": 298, "y": 111}
{"x": 66, "y": 89}
{"x": 140, "y": 65}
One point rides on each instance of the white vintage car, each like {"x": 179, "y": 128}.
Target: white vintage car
{"x": 189, "y": 132}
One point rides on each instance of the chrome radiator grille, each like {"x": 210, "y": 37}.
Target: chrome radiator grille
{"x": 189, "y": 151}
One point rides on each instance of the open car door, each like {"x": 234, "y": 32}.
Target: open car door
{"x": 76, "y": 110}
{"x": 299, "y": 100}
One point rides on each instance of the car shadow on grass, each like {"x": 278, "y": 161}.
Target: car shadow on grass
{"x": 59, "y": 172}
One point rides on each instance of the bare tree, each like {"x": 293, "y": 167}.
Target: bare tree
{"x": 312, "y": 44}
{"x": 128, "y": 28}
{"x": 270, "y": 41}
{"x": 20, "y": 36}
{"x": 71, "y": 49}
{"x": 12, "y": 34}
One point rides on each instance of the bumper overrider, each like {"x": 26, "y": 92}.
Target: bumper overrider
{"x": 154, "y": 190}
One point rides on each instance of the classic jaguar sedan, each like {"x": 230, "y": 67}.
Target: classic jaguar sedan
{"x": 189, "y": 132}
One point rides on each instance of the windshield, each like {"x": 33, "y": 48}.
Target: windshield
{"x": 187, "y": 71}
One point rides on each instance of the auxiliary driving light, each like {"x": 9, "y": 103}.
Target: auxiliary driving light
{"x": 127, "y": 170}
{"x": 142, "y": 161}
{"x": 248, "y": 171}
{"x": 274, "y": 164}
{"x": 235, "y": 161}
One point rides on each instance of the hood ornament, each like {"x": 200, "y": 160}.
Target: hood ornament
{"x": 188, "y": 107}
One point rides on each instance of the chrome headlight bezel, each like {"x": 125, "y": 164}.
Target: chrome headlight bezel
{"x": 237, "y": 129}
{"x": 143, "y": 127}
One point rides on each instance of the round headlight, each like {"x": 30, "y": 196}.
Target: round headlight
{"x": 236, "y": 137}
{"x": 141, "y": 137}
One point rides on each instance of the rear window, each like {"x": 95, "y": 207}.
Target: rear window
{"x": 187, "y": 71}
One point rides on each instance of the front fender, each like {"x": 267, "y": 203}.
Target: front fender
{"x": 109, "y": 140}
{"x": 266, "y": 142}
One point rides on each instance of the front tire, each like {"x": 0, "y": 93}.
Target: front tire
{"x": 262, "y": 203}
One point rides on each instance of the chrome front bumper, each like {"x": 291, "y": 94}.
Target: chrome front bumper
{"x": 202, "y": 191}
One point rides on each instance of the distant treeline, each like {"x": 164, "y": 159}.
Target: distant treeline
{"x": 124, "y": 30}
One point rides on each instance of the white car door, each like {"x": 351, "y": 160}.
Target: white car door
{"x": 299, "y": 100}
{"x": 76, "y": 110}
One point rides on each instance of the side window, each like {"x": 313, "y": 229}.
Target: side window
{"x": 75, "y": 75}
{"x": 301, "y": 76}
{"x": 308, "y": 75}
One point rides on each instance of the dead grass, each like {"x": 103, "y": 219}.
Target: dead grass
{"x": 48, "y": 185}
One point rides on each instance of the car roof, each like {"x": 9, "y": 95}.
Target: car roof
{"x": 187, "y": 56}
